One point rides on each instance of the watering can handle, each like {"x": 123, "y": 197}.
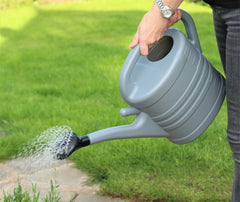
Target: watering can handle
{"x": 135, "y": 53}
{"x": 190, "y": 29}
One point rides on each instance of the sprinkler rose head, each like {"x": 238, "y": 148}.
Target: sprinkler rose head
{"x": 67, "y": 144}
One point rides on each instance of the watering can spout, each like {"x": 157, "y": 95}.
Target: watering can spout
{"x": 143, "y": 126}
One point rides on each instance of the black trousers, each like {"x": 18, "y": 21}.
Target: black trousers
{"x": 227, "y": 29}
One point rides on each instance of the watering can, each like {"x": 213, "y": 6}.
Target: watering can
{"x": 174, "y": 92}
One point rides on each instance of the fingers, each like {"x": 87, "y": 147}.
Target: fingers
{"x": 175, "y": 18}
{"x": 134, "y": 41}
{"x": 143, "y": 49}
{"x": 144, "y": 46}
{"x": 150, "y": 30}
{"x": 178, "y": 15}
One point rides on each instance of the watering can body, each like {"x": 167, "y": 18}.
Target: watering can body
{"x": 174, "y": 91}
{"x": 175, "y": 84}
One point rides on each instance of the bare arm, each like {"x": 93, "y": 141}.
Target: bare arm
{"x": 173, "y": 4}
{"x": 153, "y": 26}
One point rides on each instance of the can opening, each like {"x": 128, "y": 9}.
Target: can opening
{"x": 160, "y": 49}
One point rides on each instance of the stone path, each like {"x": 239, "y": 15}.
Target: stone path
{"x": 71, "y": 181}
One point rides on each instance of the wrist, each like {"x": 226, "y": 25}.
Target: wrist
{"x": 165, "y": 11}
{"x": 172, "y": 4}
{"x": 155, "y": 9}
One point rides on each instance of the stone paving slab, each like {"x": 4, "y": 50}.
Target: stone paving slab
{"x": 72, "y": 182}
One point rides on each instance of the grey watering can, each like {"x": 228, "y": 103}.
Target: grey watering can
{"x": 174, "y": 93}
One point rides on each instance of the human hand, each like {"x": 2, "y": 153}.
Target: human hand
{"x": 152, "y": 28}
{"x": 175, "y": 18}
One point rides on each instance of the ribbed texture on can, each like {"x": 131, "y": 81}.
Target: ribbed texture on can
{"x": 192, "y": 110}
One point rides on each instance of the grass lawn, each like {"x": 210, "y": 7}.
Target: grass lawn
{"x": 59, "y": 65}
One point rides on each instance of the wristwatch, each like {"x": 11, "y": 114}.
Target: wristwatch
{"x": 165, "y": 11}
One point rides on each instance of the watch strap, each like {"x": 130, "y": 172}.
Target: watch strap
{"x": 163, "y": 7}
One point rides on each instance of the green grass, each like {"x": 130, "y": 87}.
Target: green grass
{"x": 59, "y": 65}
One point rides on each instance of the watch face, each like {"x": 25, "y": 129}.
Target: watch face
{"x": 167, "y": 13}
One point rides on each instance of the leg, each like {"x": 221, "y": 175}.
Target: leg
{"x": 221, "y": 35}
{"x": 227, "y": 25}
{"x": 233, "y": 98}
{"x": 236, "y": 183}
